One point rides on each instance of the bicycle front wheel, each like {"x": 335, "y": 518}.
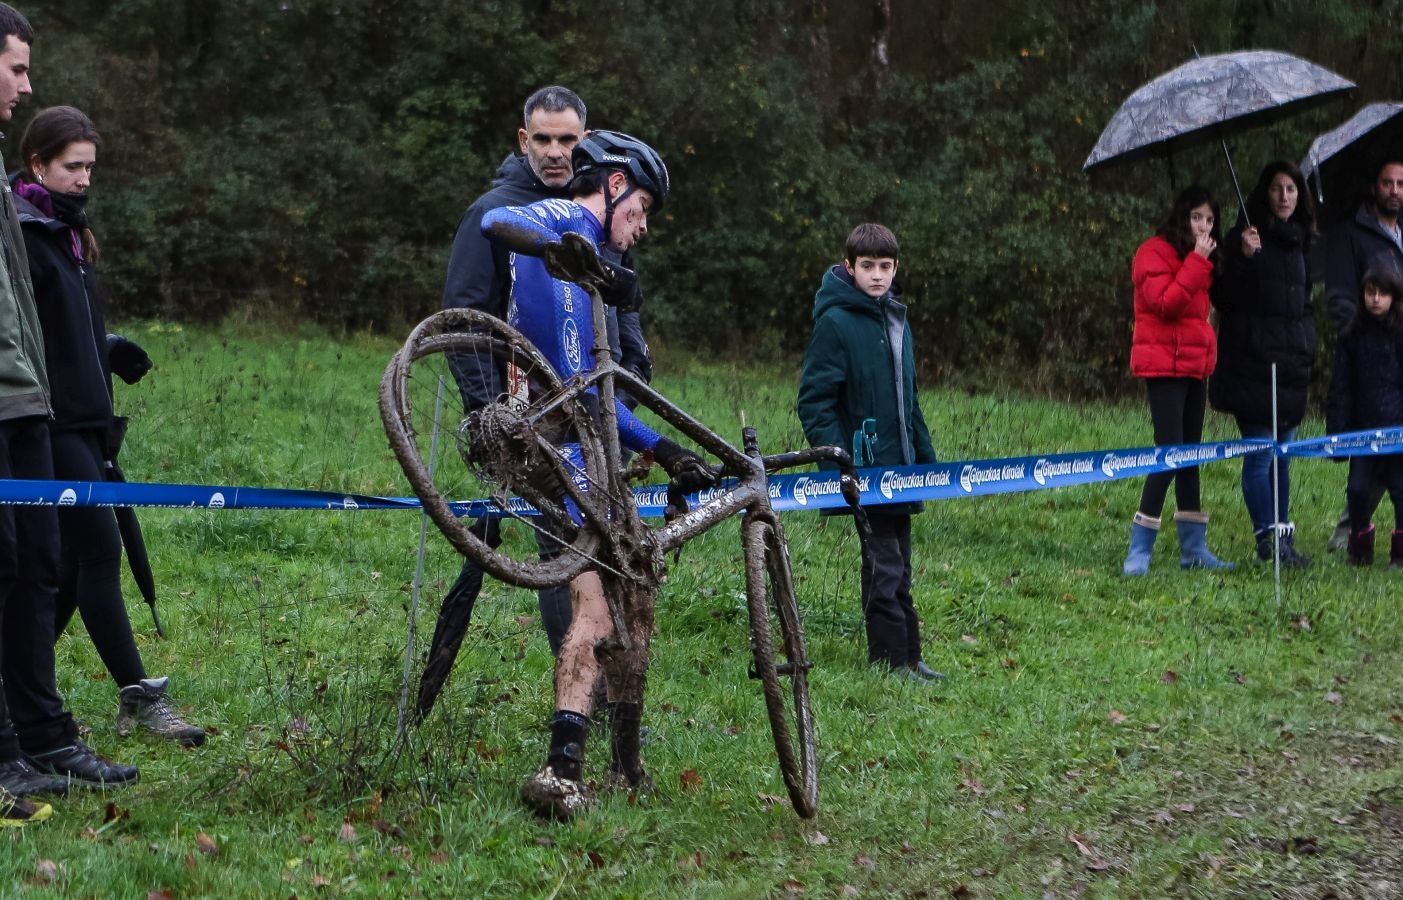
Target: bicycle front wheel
{"x": 775, "y": 625}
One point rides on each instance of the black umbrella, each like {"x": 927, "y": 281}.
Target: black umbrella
{"x": 1342, "y": 162}
{"x": 127, "y": 524}
{"x": 1208, "y": 98}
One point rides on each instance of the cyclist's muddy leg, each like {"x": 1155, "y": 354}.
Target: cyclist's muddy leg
{"x": 577, "y": 669}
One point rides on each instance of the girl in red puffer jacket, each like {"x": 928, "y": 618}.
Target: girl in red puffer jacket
{"x": 1174, "y": 350}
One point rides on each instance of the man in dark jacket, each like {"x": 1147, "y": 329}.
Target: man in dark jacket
{"x": 479, "y": 277}
{"x": 1370, "y": 235}
{"x": 40, "y": 750}
{"x": 858, "y": 390}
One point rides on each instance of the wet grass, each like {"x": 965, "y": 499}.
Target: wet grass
{"x": 1180, "y": 734}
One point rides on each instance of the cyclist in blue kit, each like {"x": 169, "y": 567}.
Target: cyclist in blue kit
{"x": 618, "y": 182}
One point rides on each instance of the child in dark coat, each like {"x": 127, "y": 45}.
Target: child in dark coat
{"x": 858, "y": 390}
{"x": 1366, "y": 391}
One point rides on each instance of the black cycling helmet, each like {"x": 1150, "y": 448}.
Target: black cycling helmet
{"x": 615, "y": 150}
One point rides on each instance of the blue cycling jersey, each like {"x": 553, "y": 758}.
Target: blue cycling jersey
{"x": 556, "y": 315}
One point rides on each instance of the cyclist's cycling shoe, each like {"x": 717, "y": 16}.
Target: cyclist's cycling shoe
{"x": 553, "y": 797}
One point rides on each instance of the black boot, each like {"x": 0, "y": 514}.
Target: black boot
{"x": 1361, "y": 546}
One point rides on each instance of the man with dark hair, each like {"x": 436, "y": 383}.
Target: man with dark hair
{"x": 479, "y": 277}
{"x": 1351, "y": 247}
{"x": 40, "y": 751}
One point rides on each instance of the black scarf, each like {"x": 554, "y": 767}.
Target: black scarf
{"x": 70, "y": 209}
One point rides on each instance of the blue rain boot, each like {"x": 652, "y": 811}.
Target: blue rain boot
{"x": 1193, "y": 543}
{"x": 1143, "y": 531}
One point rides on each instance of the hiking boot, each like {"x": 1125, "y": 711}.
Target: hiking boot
{"x": 552, "y": 797}
{"x": 147, "y": 704}
{"x": 1291, "y": 558}
{"x": 23, "y": 780}
{"x": 77, "y": 763}
{"x": 17, "y": 812}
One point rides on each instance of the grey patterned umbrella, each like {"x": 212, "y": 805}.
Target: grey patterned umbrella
{"x": 1341, "y": 162}
{"x": 1210, "y": 97}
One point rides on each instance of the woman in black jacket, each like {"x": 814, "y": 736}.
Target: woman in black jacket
{"x": 1264, "y": 318}
{"x": 58, "y": 151}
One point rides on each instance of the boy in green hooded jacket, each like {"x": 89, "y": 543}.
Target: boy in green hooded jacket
{"x": 858, "y": 390}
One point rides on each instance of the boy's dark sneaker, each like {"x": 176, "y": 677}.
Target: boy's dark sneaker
{"x": 23, "y": 780}
{"x": 17, "y": 812}
{"x": 926, "y": 672}
{"x": 552, "y": 797}
{"x": 146, "y": 704}
{"x": 81, "y": 766}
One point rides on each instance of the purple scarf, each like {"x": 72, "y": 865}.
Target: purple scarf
{"x": 38, "y": 195}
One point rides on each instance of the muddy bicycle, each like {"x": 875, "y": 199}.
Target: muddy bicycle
{"x": 507, "y": 449}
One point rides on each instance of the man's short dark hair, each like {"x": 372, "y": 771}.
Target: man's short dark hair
{"x": 871, "y": 239}
{"x": 1388, "y": 161}
{"x": 12, "y": 21}
{"x": 552, "y": 99}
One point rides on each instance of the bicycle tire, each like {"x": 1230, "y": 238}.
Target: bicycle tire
{"x": 774, "y": 613}
{"x": 478, "y": 336}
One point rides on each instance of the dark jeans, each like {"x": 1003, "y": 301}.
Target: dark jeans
{"x": 31, "y": 710}
{"x": 1176, "y": 409}
{"x": 893, "y": 628}
{"x": 1369, "y": 476}
{"x": 1257, "y": 480}
{"x": 90, "y": 568}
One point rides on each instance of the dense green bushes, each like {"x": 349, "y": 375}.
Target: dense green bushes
{"x": 313, "y": 157}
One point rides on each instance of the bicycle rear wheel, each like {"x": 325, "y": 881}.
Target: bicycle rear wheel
{"x": 774, "y": 624}
{"x": 497, "y": 420}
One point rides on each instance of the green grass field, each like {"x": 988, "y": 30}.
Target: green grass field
{"x": 1178, "y": 735}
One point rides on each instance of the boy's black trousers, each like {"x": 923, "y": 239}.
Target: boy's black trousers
{"x": 893, "y": 629}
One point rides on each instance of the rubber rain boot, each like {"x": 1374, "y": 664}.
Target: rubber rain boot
{"x": 1193, "y": 542}
{"x": 1361, "y": 547}
{"x": 1143, "y": 531}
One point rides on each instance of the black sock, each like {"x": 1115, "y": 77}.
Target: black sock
{"x": 567, "y": 744}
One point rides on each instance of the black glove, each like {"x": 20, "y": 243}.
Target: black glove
{"x": 621, "y": 291}
{"x": 575, "y": 258}
{"x": 687, "y": 471}
{"x": 126, "y": 358}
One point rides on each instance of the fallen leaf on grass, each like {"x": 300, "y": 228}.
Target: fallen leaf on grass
{"x": 596, "y": 861}
{"x": 321, "y": 881}
{"x": 791, "y": 887}
{"x": 1115, "y": 717}
{"x": 114, "y": 813}
{"x": 974, "y": 786}
{"x": 969, "y": 639}
{"x": 1333, "y": 697}
{"x": 961, "y": 892}
{"x": 524, "y": 621}
{"x": 847, "y": 890}
{"x": 863, "y": 861}
{"x": 88, "y": 832}
{"x": 206, "y": 845}
{"x": 1238, "y": 677}
{"x": 162, "y": 894}
{"x": 1163, "y": 817}
{"x": 438, "y": 857}
{"x": 1169, "y": 677}
{"x": 770, "y": 800}
{"x": 1302, "y": 623}
{"x": 690, "y": 780}
{"x": 1081, "y": 843}
{"x": 691, "y": 861}
{"x": 189, "y": 862}
{"x": 347, "y": 834}
{"x": 1185, "y": 807}
{"x": 818, "y": 838}
{"x": 1396, "y": 719}
{"x": 1303, "y": 846}
{"x": 1008, "y": 662}
{"x": 46, "y": 870}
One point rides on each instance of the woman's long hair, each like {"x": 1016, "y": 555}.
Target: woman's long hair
{"x": 1176, "y": 229}
{"x": 48, "y": 135}
{"x": 1259, "y": 204}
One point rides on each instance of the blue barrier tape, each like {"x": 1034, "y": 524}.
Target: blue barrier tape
{"x": 805, "y": 490}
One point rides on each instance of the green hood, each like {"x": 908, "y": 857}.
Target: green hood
{"x": 838, "y": 292}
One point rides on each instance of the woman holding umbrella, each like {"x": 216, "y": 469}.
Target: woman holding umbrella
{"x": 1174, "y": 350}
{"x": 59, "y": 149}
{"x": 1266, "y": 319}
